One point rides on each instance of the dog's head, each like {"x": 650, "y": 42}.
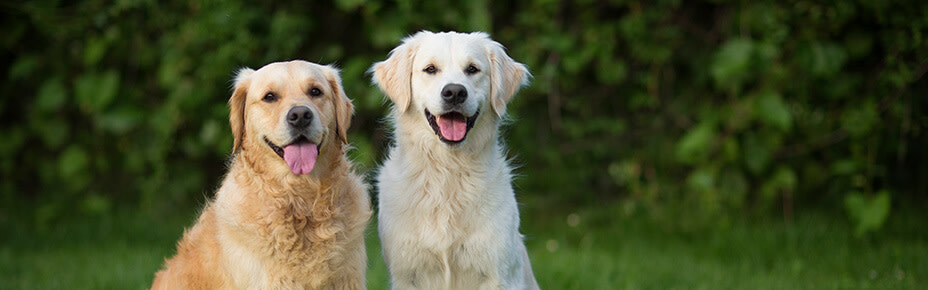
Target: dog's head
{"x": 289, "y": 111}
{"x": 450, "y": 79}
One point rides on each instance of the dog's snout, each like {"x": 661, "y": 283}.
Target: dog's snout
{"x": 300, "y": 117}
{"x": 454, "y": 94}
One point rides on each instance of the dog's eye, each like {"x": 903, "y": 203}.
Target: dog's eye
{"x": 315, "y": 92}
{"x": 270, "y": 98}
{"x": 430, "y": 69}
{"x": 471, "y": 69}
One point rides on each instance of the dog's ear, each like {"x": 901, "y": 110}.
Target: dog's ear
{"x": 237, "y": 107}
{"x": 394, "y": 75}
{"x": 506, "y": 77}
{"x": 343, "y": 107}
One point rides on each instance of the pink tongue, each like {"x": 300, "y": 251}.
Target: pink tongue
{"x": 301, "y": 157}
{"x": 452, "y": 126}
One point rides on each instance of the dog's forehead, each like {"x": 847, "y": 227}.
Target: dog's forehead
{"x": 454, "y": 47}
{"x": 281, "y": 74}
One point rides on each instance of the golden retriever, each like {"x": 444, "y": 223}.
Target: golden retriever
{"x": 291, "y": 212}
{"x": 448, "y": 217}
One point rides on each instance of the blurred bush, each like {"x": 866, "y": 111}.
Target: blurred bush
{"x": 695, "y": 112}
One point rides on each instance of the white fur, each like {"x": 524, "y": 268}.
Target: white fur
{"x": 448, "y": 215}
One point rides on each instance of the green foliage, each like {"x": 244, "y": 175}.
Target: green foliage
{"x": 732, "y": 63}
{"x": 694, "y": 146}
{"x": 771, "y": 109}
{"x": 868, "y": 214}
{"x": 691, "y": 111}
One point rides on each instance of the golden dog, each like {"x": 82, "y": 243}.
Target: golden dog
{"x": 290, "y": 213}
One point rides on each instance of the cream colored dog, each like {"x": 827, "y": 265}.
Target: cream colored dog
{"x": 291, "y": 212}
{"x": 448, "y": 215}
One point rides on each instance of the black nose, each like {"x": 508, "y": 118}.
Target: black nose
{"x": 299, "y": 117}
{"x": 454, "y": 94}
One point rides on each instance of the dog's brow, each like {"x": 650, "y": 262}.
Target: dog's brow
{"x": 271, "y": 86}
{"x": 310, "y": 82}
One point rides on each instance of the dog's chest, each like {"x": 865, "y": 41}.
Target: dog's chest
{"x": 443, "y": 209}
{"x": 449, "y": 219}
{"x": 276, "y": 243}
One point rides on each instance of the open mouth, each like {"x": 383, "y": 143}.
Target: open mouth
{"x": 300, "y": 154}
{"x": 451, "y": 127}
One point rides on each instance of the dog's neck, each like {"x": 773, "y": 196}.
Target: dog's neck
{"x": 277, "y": 191}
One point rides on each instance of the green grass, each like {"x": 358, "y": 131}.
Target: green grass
{"x": 118, "y": 252}
{"x": 606, "y": 250}
{"x": 599, "y": 249}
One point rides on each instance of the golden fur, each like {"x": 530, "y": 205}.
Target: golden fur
{"x": 268, "y": 228}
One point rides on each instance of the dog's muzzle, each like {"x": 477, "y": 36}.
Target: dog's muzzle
{"x": 451, "y": 127}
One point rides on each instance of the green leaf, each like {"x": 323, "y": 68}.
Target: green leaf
{"x": 51, "y": 95}
{"x": 701, "y": 180}
{"x": 732, "y": 62}
{"x": 94, "y": 50}
{"x": 771, "y": 109}
{"x": 94, "y": 92}
{"x": 694, "y": 146}
{"x": 24, "y": 67}
{"x": 867, "y": 213}
{"x": 73, "y": 161}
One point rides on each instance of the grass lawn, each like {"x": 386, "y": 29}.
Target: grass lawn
{"x": 603, "y": 250}
{"x": 581, "y": 249}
